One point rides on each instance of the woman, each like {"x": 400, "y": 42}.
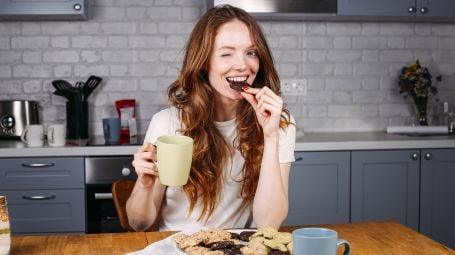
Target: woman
{"x": 243, "y": 140}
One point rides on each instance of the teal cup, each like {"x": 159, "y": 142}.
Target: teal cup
{"x": 320, "y": 241}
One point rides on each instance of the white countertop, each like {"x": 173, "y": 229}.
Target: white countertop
{"x": 370, "y": 141}
{"x": 308, "y": 142}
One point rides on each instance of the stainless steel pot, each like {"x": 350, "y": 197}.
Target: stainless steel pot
{"x": 15, "y": 115}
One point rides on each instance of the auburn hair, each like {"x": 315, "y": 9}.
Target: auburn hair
{"x": 192, "y": 95}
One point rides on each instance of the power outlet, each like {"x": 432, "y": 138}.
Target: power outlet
{"x": 294, "y": 87}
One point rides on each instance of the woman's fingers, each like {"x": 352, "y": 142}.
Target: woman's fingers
{"x": 264, "y": 100}
{"x": 144, "y": 161}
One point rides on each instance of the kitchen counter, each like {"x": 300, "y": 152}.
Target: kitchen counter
{"x": 308, "y": 142}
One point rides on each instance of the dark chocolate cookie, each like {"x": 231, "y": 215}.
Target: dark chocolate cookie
{"x": 231, "y": 251}
{"x": 235, "y": 236}
{"x": 245, "y": 235}
{"x": 277, "y": 252}
{"x": 222, "y": 245}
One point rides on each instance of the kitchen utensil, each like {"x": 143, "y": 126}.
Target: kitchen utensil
{"x": 61, "y": 85}
{"x": 90, "y": 85}
{"x": 64, "y": 93}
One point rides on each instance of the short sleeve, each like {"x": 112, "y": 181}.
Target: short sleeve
{"x": 287, "y": 143}
{"x": 165, "y": 122}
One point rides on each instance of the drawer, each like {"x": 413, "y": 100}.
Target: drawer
{"x": 41, "y": 173}
{"x": 56, "y": 211}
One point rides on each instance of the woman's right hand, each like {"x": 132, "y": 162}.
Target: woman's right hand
{"x": 144, "y": 165}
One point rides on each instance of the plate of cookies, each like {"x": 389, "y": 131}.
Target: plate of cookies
{"x": 217, "y": 241}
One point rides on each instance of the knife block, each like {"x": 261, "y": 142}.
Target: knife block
{"x": 77, "y": 119}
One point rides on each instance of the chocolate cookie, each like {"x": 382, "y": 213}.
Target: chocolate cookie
{"x": 235, "y": 236}
{"x": 245, "y": 235}
{"x": 277, "y": 252}
{"x": 222, "y": 245}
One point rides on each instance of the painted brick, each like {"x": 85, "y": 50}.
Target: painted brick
{"x": 32, "y": 86}
{"x": 4, "y": 43}
{"x": 30, "y": 42}
{"x": 344, "y": 55}
{"x": 367, "y": 97}
{"x": 342, "y": 42}
{"x": 343, "y": 84}
{"x": 32, "y": 71}
{"x": 62, "y": 71}
{"x": 9, "y": 57}
{"x": 60, "y": 42}
{"x": 90, "y": 56}
{"x": 61, "y": 28}
{"x": 343, "y": 69}
{"x": 168, "y": 13}
{"x": 89, "y": 42}
{"x": 64, "y": 56}
{"x": 31, "y": 57}
{"x": 136, "y": 13}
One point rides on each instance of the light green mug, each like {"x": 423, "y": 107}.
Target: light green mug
{"x": 174, "y": 154}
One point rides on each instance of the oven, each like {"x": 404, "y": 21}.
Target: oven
{"x": 100, "y": 173}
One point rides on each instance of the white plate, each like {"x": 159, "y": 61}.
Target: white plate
{"x": 237, "y": 231}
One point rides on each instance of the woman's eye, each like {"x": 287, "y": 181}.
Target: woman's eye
{"x": 252, "y": 53}
{"x": 225, "y": 54}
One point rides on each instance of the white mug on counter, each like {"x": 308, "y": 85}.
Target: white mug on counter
{"x": 33, "y": 135}
{"x": 56, "y": 134}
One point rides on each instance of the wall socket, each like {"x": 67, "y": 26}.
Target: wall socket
{"x": 294, "y": 87}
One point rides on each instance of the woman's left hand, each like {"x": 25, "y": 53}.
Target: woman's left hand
{"x": 268, "y": 107}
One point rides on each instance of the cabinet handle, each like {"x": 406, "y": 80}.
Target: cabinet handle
{"x": 299, "y": 159}
{"x": 38, "y": 164}
{"x": 38, "y": 197}
{"x": 415, "y": 156}
{"x": 427, "y": 156}
{"x": 101, "y": 196}
{"x": 423, "y": 10}
{"x": 411, "y": 9}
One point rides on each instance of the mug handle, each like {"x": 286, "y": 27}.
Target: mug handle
{"x": 347, "y": 246}
{"x": 50, "y": 135}
{"x": 23, "y": 135}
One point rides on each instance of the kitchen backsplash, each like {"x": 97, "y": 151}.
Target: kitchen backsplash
{"x": 136, "y": 46}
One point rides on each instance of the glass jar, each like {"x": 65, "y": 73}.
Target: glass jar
{"x": 5, "y": 232}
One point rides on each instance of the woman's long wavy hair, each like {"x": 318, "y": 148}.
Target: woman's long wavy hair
{"x": 193, "y": 96}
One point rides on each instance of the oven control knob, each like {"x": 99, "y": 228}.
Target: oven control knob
{"x": 126, "y": 171}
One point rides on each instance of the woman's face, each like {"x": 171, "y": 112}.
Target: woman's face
{"x": 234, "y": 57}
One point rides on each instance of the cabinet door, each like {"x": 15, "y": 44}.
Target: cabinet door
{"x": 46, "y": 211}
{"x": 44, "y": 10}
{"x": 319, "y": 188}
{"x": 375, "y": 7}
{"x": 385, "y": 186}
{"x": 41, "y": 173}
{"x": 437, "y": 208}
{"x": 436, "y": 8}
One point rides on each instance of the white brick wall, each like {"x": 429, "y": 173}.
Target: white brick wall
{"x": 136, "y": 46}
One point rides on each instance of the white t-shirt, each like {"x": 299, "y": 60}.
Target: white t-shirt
{"x": 229, "y": 213}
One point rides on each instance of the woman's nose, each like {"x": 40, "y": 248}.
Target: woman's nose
{"x": 240, "y": 62}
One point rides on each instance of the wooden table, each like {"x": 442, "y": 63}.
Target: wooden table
{"x": 372, "y": 238}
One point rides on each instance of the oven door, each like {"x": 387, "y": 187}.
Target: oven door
{"x": 100, "y": 173}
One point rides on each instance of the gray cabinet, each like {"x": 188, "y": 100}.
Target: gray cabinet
{"x": 413, "y": 187}
{"x": 397, "y": 8}
{"x": 385, "y": 186}
{"x": 44, "y": 10}
{"x": 437, "y": 208}
{"x": 319, "y": 188}
{"x": 45, "y": 195}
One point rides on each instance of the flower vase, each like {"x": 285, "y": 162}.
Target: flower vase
{"x": 421, "y": 104}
